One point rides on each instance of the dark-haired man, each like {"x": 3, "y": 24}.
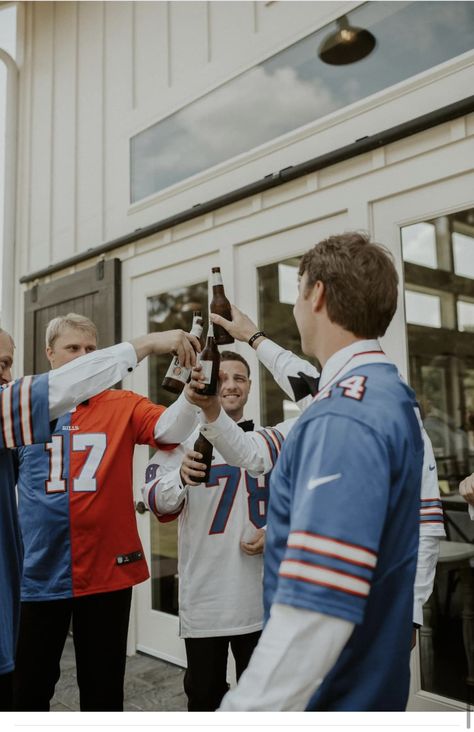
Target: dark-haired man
{"x": 342, "y": 536}
{"x": 219, "y": 550}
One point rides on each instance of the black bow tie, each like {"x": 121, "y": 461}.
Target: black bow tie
{"x": 247, "y": 425}
{"x": 303, "y": 385}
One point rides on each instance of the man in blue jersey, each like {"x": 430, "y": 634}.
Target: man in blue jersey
{"x": 26, "y": 409}
{"x": 342, "y": 535}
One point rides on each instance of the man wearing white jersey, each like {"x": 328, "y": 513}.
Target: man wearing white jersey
{"x": 219, "y": 547}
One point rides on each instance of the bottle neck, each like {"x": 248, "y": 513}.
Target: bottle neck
{"x": 196, "y": 330}
{"x": 210, "y": 330}
{"x": 217, "y": 279}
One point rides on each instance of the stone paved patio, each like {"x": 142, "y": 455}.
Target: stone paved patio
{"x": 151, "y": 685}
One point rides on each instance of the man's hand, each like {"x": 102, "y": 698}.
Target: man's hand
{"x": 192, "y": 471}
{"x": 256, "y": 545}
{"x": 240, "y": 327}
{"x": 210, "y": 405}
{"x": 181, "y": 344}
{"x": 466, "y": 489}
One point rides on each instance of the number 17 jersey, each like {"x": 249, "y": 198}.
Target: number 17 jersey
{"x": 76, "y": 508}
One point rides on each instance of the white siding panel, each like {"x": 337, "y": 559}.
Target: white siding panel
{"x": 118, "y": 102}
{"x": 63, "y": 188}
{"x": 150, "y": 55}
{"x": 232, "y": 32}
{"x": 189, "y": 40}
{"x": 90, "y": 120}
{"x": 41, "y": 136}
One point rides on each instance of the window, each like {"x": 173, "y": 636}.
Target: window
{"x": 173, "y": 309}
{"x": 439, "y": 303}
{"x": 294, "y": 87}
{"x": 278, "y": 288}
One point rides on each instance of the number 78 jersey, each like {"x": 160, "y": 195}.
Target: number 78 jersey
{"x": 75, "y": 500}
{"x": 220, "y": 587}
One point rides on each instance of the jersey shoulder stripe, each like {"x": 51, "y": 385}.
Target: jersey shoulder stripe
{"x": 271, "y": 444}
{"x": 317, "y": 544}
{"x": 324, "y": 576}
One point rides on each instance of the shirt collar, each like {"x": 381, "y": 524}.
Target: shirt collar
{"x": 338, "y": 360}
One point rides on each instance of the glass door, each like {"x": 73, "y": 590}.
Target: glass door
{"x": 162, "y": 300}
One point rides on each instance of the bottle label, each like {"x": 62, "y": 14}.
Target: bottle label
{"x": 206, "y": 371}
{"x": 177, "y": 372}
{"x": 196, "y": 330}
{"x": 216, "y": 279}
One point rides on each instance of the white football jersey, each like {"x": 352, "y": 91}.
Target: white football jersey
{"x": 220, "y": 587}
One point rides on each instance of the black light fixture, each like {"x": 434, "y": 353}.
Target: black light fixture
{"x": 347, "y": 45}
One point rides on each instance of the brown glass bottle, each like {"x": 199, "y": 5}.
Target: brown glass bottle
{"x": 177, "y": 376}
{"x": 210, "y": 359}
{"x": 220, "y": 306}
{"x": 203, "y": 446}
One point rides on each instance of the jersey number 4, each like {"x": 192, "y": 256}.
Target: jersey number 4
{"x": 86, "y": 482}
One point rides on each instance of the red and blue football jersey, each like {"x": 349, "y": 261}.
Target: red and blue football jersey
{"x": 76, "y": 506}
{"x": 24, "y": 412}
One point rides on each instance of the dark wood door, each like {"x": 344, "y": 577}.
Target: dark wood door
{"x": 94, "y": 292}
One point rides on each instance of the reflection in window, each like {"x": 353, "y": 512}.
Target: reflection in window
{"x": 419, "y": 244}
{"x": 423, "y": 309}
{"x": 294, "y": 88}
{"x": 287, "y": 284}
{"x": 276, "y": 286}
{"x": 466, "y": 315}
{"x": 172, "y": 309}
{"x": 440, "y": 331}
{"x": 463, "y": 252}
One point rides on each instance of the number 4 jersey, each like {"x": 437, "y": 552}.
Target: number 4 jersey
{"x": 75, "y": 502}
{"x": 220, "y": 587}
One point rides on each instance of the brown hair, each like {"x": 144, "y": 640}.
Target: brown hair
{"x": 360, "y": 282}
{"x": 234, "y": 356}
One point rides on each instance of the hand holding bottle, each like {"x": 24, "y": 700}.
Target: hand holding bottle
{"x": 241, "y": 327}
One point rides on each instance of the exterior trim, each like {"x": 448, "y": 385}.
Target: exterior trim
{"x": 273, "y": 180}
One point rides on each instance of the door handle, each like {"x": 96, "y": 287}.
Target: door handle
{"x": 140, "y": 507}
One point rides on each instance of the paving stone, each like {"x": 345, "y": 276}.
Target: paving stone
{"x": 151, "y": 684}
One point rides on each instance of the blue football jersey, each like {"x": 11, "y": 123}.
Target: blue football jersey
{"x": 24, "y": 411}
{"x": 343, "y": 530}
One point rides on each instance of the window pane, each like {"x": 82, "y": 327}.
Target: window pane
{"x": 294, "y": 88}
{"x": 419, "y": 244}
{"x": 173, "y": 309}
{"x": 463, "y": 250}
{"x": 276, "y": 286}
{"x": 466, "y": 316}
{"x": 441, "y": 360}
{"x": 423, "y": 309}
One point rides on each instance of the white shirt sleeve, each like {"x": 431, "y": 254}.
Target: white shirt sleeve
{"x": 178, "y": 422}
{"x": 88, "y": 375}
{"x": 431, "y": 510}
{"x": 281, "y": 364}
{"x": 255, "y": 451}
{"x": 471, "y": 511}
{"x": 293, "y": 638}
{"x": 164, "y": 492}
{"x": 428, "y": 552}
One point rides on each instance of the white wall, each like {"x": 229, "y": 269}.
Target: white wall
{"x": 95, "y": 73}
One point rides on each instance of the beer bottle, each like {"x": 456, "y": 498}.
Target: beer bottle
{"x": 203, "y": 446}
{"x": 220, "y": 306}
{"x": 210, "y": 358}
{"x": 177, "y": 376}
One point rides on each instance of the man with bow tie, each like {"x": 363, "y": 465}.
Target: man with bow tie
{"x": 220, "y": 546}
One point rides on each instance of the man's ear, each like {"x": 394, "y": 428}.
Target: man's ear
{"x": 318, "y": 296}
{"x": 49, "y": 354}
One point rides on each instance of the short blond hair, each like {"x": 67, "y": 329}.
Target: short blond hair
{"x": 56, "y": 326}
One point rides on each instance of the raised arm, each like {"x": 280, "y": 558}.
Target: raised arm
{"x": 280, "y": 362}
